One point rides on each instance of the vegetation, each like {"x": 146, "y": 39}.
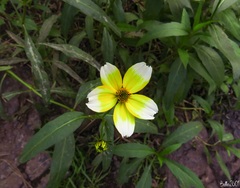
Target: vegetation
{"x": 192, "y": 46}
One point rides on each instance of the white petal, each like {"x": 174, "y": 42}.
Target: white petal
{"x": 101, "y": 99}
{"x": 137, "y": 77}
{"x": 141, "y": 106}
{"x": 123, "y": 120}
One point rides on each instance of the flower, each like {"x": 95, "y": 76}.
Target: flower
{"x": 101, "y": 146}
{"x": 120, "y": 93}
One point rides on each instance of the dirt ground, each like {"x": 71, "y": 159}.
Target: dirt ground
{"x": 24, "y": 120}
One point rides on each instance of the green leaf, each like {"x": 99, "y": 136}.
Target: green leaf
{"x": 212, "y": 62}
{"x": 186, "y": 20}
{"x": 222, "y": 5}
{"x": 133, "y": 150}
{"x": 12, "y": 61}
{"x": 217, "y": 128}
{"x": 184, "y": 56}
{"x": 108, "y": 47}
{"x": 145, "y": 180}
{"x": 89, "y": 8}
{"x": 235, "y": 151}
{"x": 4, "y": 68}
{"x": 198, "y": 68}
{"x": 197, "y": 16}
{"x": 68, "y": 70}
{"x": 85, "y": 89}
{"x": 89, "y": 27}
{"x": 127, "y": 169}
{"x": 176, "y": 76}
{"x": 41, "y": 77}
{"x": 52, "y": 133}
{"x": 157, "y": 30}
{"x": 227, "y": 47}
{"x": 62, "y": 158}
{"x": 118, "y": 11}
{"x": 230, "y": 22}
{"x": 204, "y": 104}
{"x": 223, "y": 165}
{"x": 68, "y": 14}
{"x": 64, "y": 91}
{"x": 46, "y": 27}
{"x": 183, "y": 134}
{"x": 144, "y": 126}
{"x": 168, "y": 150}
{"x": 74, "y": 52}
{"x": 185, "y": 176}
{"x": 153, "y": 9}
{"x": 176, "y": 6}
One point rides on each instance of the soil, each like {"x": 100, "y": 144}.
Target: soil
{"x": 24, "y": 120}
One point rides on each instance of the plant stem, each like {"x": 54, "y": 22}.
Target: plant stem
{"x": 35, "y": 91}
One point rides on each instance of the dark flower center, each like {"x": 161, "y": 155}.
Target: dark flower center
{"x": 122, "y": 95}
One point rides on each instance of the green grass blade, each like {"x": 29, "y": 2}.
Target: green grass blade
{"x": 62, "y": 158}
{"x": 223, "y": 165}
{"x": 185, "y": 176}
{"x": 183, "y": 134}
{"x": 146, "y": 179}
{"x": 51, "y": 133}
{"x": 40, "y": 76}
{"x": 74, "y": 52}
{"x": 133, "y": 150}
{"x": 89, "y": 8}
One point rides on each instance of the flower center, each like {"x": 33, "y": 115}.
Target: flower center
{"x": 122, "y": 95}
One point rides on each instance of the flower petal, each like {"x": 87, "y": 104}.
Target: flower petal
{"x": 111, "y": 76}
{"x": 123, "y": 120}
{"x": 137, "y": 77}
{"x": 101, "y": 99}
{"x": 141, "y": 106}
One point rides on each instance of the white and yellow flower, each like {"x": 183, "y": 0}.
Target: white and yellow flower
{"x": 120, "y": 93}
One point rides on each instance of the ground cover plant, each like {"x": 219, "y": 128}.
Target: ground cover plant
{"x": 111, "y": 77}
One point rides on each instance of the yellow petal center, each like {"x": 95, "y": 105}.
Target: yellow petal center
{"x": 122, "y": 95}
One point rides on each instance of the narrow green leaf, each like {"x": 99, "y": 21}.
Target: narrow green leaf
{"x": 85, "y": 89}
{"x": 68, "y": 14}
{"x": 198, "y": 68}
{"x": 212, "y": 62}
{"x": 235, "y": 151}
{"x": 176, "y": 77}
{"x": 12, "y": 61}
{"x": 108, "y": 47}
{"x": 67, "y": 69}
{"x": 153, "y": 9}
{"x": 186, "y": 20}
{"x": 64, "y": 91}
{"x": 89, "y": 8}
{"x": 127, "y": 169}
{"x": 185, "y": 176}
{"x": 222, "y": 5}
{"x": 197, "y": 16}
{"x": 16, "y": 38}
{"x": 74, "y": 52}
{"x": 118, "y": 11}
{"x": 177, "y": 6}
{"x": 46, "y": 27}
{"x": 133, "y": 150}
{"x": 184, "y": 56}
{"x": 204, "y": 104}
{"x": 4, "y": 68}
{"x": 230, "y": 21}
{"x": 62, "y": 158}
{"x": 183, "y": 134}
{"x": 144, "y": 126}
{"x": 90, "y": 30}
{"x": 168, "y": 150}
{"x": 9, "y": 95}
{"x": 41, "y": 77}
{"x": 145, "y": 180}
{"x": 223, "y": 165}
{"x": 156, "y": 30}
{"x": 217, "y": 128}
{"x": 51, "y": 133}
{"x": 227, "y": 47}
